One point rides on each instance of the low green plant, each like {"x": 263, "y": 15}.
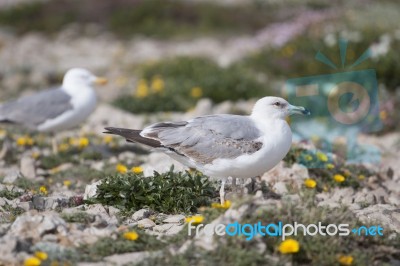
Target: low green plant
{"x": 182, "y": 81}
{"x": 10, "y": 194}
{"x": 170, "y": 192}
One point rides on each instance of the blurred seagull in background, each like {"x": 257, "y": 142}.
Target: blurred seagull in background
{"x": 224, "y": 145}
{"x": 58, "y": 108}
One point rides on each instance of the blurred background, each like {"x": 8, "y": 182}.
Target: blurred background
{"x": 173, "y": 60}
{"x": 166, "y": 55}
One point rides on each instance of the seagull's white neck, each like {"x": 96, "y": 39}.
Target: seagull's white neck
{"x": 74, "y": 88}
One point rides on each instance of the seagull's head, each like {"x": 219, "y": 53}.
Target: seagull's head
{"x": 77, "y": 78}
{"x": 278, "y": 108}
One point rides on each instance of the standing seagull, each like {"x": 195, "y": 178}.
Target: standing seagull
{"x": 224, "y": 145}
{"x": 55, "y": 109}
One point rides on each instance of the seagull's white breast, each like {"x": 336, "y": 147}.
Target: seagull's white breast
{"x": 84, "y": 102}
{"x": 276, "y": 139}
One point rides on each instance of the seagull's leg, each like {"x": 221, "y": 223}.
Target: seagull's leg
{"x": 222, "y": 192}
{"x": 54, "y": 144}
{"x": 234, "y": 184}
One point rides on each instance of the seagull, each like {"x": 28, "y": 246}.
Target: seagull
{"x": 55, "y": 109}
{"x": 224, "y": 145}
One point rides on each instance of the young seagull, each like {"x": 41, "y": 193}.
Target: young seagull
{"x": 58, "y": 108}
{"x": 224, "y": 145}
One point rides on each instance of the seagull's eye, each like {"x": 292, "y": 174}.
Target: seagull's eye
{"x": 277, "y": 104}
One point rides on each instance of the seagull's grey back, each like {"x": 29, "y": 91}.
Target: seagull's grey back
{"x": 208, "y": 137}
{"x": 34, "y": 110}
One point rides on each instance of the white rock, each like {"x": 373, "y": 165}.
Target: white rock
{"x": 140, "y": 214}
{"x": 146, "y": 223}
{"x": 27, "y": 167}
{"x": 91, "y": 190}
{"x": 280, "y": 188}
{"x": 175, "y": 219}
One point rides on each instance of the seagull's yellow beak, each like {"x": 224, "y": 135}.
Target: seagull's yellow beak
{"x": 100, "y": 81}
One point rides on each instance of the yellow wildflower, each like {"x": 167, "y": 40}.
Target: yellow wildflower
{"x": 3, "y": 133}
{"x": 122, "y": 169}
{"x": 196, "y": 92}
{"x": 227, "y": 204}
{"x": 383, "y": 115}
{"x": 346, "y": 173}
{"x": 107, "y": 139}
{"x": 24, "y": 141}
{"x": 346, "y": 260}
{"x": 310, "y": 183}
{"x": 142, "y": 89}
{"x": 196, "y": 219}
{"x": 43, "y": 190}
{"x": 329, "y": 166}
{"x": 83, "y": 142}
{"x": 322, "y": 157}
{"x": 35, "y": 154}
{"x": 41, "y": 255}
{"x": 361, "y": 177}
{"x": 63, "y": 147}
{"x": 157, "y": 84}
{"x": 137, "y": 169}
{"x": 32, "y": 261}
{"x": 132, "y": 235}
{"x": 339, "y": 178}
{"x": 289, "y": 246}
{"x": 308, "y": 157}
{"x": 67, "y": 183}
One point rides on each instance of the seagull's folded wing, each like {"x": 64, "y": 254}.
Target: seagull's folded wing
{"x": 34, "y": 110}
{"x": 207, "y": 138}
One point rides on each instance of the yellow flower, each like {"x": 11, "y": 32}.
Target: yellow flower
{"x": 24, "y": 141}
{"x": 346, "y": 173}
{"x": 43, "y": 190}
{"x": 142, "y": 90}
{"x": 289, "y": 246}
{"x": 83, "y": 142}
{"x": 196, "y": 92}
{"x": 132, "y": 235}
{"x": 41, "y": 255}
{"x": 35, "y": 154}
{"x": 122, "y": 169}
{"x": 383, "y": 115}
{"x": 308, "y": 157}
{"x": 107, "y": 139}
{"x": 196, "y": 219}
{"x": 137, "y": 169}
{"x": 346, "y": 260}
{"x": 32, "y": 261}
{"x": 227, "y": 204}
{"x": 329, "y": 166}
{"x": 63, "y": 147}
{"x": 157, "y": 84}
{"x": 67, "y": 183}
{"x": 310, "y": 183}
{"x": 339, "y": 178}
{"x": 55, "y": 170}
{"x": 361, "y": 177}
{"x": 322, "y": 157}
{"x": 3, "y": 133}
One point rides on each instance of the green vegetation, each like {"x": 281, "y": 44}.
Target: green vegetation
{"x": 314, "y": 250}
{"x": 155, "y": 18}
{"x": 10, "y": 194}
{"x": 177, "y": 84}
{"x": 169, "y": 192}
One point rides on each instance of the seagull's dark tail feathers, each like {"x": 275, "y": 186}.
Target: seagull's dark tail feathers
{"x": 132, "y": 135}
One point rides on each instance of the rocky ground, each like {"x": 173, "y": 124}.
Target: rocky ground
{"x": 48, "y": 204}
{"x": 101, "y": 201}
